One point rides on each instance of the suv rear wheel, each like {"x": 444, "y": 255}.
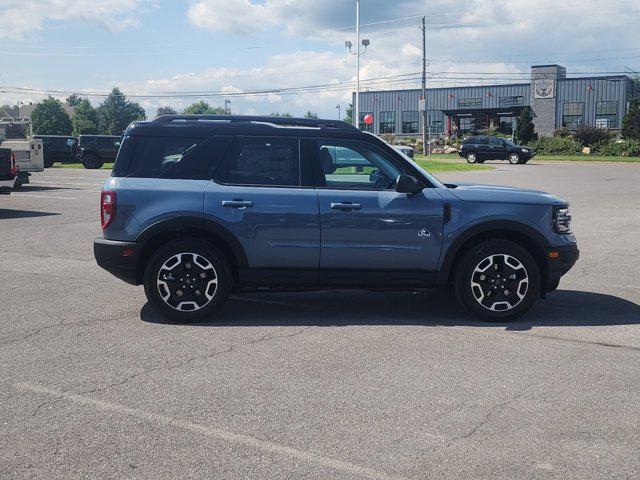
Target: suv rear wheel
{"x": 497, "y": 280}
{"x": 187, "y": 280}
{"x": 91, "y": 161}
{"x": 472, "y": 158}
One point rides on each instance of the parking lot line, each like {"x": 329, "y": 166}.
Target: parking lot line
{"x": 225, "y": 435}
{"x": 43, "y": 196}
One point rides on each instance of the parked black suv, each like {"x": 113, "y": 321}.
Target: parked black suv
{"x": 58, "y": 148}
{"x": 479, "y": 149}
{"x": 96, "y": 150}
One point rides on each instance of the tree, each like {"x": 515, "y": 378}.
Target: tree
{"x": 50, "y": 118}
{"x": 631, "y": 121}
{"x": 165, "y": 110}
{"x": 348, "y": 114}
{"x": 85, "y": 119}
{"x": 202, "y": 107}
{"x": 73, "y": 100}
{"x": 310, "y": 114}
{"x": 525, "y": 130}
{"x": 116, "y": 113}
{"x": 276, "y": 114}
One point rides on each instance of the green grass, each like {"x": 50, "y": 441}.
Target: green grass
{"x": 447, "y": 163}
{"x": 106, "y": 166}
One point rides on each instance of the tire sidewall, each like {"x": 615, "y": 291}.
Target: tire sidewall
{"x": 468, "y": 264}
{"x": 513, "y": 155}
{"x": 472, "y": 158}
{"x": 206, "y": 250}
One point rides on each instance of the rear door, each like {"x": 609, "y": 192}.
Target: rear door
{"x": 260, "y": 196}
{"x": 372, "y": 235}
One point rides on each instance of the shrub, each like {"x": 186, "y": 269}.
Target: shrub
{"x": 631, "y": 121}
{"x": 556, "y": 146}
{"x": 589, "y": 136}
{"x": 562, "y": 132}
{"x": 624, "y": 148}
{"x": 389, "y": 138}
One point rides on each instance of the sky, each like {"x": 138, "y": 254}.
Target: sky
{"x": 253, "y": 52}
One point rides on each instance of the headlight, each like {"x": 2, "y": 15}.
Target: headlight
{"x": 561, "y": 220}
{"x": 524, "y": 150}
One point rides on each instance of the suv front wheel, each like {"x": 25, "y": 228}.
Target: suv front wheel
{"x": 497, "y": 280}
{"x": 187, "y": 280}
{"x": 514, "y": 158}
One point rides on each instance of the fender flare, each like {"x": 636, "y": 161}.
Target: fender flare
{"x": 185, "y": 222}
{"x": 487, "y": 227}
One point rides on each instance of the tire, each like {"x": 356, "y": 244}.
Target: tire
{"x": 472, "y": 157}
{"x": 198, "y": 298}
{"x": 513, "y": 158}
{"x": 91, "y": 162}
{"x": 48, "y": 163}
{"x": 497, "y": 280}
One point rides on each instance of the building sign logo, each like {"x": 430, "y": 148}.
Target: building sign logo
{"x": 545, "y": 88}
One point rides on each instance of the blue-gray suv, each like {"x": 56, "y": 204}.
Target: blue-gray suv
{"x": 198, "y": 207}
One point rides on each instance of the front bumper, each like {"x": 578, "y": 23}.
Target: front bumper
{"x": 561, "y": 260}
{"x": 118, "y": 258}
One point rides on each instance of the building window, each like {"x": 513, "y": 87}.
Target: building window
{"x": 363, "y": 126}
{"x": 573, "y": 115}
{"x": 387, "y": 122}
{"x": 436, "y": 121}
{"x": 511, "y": 101}
{"x": 467, "y": 124}
{"x": 411, "y": 122}
{"x": 470, "y": 102}
{"x": 607, "y": 114}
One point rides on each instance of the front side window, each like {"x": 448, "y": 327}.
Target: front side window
{"x": 387, "y": 122}
{"x": 261, "y": 161}
{"x": 607, "y": 114}
{"x": 410, "y": 122}
{"x": 573, "y": 115}
{"x": 355, "y": 166}
{"x": 496, "y": 142}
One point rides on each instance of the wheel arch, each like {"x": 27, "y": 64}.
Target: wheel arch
{"x": 190, "y": 227}
{"x": 517, "y": 232}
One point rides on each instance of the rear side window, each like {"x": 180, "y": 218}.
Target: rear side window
{"x": 154, "y": 156}
{"x": 261, "y": 161}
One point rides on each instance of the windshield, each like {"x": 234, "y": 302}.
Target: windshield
{"x": 434, "y": 181}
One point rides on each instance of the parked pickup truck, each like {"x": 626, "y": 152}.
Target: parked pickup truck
{"x": 8, "y": 171}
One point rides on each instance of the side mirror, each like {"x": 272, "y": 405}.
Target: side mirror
{"x": 408, "y": 184}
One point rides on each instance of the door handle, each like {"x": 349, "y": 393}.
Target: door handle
{"x": 237, "y": 203}
{"x": 346, "y": 206}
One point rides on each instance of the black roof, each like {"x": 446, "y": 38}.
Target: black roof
{"x": 184, "y": 125}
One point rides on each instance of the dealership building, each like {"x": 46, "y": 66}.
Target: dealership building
{"x": 555, "y": 101}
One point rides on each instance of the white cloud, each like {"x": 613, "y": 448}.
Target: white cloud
{"x": 20, "y": 17}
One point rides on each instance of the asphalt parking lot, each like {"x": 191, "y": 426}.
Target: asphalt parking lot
{"x": 345, "y": 385}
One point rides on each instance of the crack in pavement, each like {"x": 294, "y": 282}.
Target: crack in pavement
{"x": 127, "y": 379}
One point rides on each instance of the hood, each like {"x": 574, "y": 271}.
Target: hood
{"x": 497, "y": 194}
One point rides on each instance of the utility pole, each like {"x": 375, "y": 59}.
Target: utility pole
{"x": 338, "y": 107}
{"x": 424, "y": 88}
{"x": 357, "y": 53}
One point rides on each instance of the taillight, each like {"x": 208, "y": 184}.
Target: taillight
{"x": 14, "y": 167}
{"x": 107, "y": 207}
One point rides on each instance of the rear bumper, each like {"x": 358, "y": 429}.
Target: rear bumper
{"x": 118, "y": 258}
{"x": 560, "y": 264}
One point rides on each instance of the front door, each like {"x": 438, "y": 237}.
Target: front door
{"x": 257, "y": 196}
{"x": 498, "y": 148}
{"x": 370, "y": 234}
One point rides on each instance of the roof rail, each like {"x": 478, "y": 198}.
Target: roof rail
{"x": 273, "y": 121}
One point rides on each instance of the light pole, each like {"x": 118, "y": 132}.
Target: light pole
{"x": 357, "y": 53}
{"x": 227, "y": 102}
{"x": 338, "y": 107}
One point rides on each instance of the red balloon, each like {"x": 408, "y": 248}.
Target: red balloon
{"x": 368, "y": 119}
